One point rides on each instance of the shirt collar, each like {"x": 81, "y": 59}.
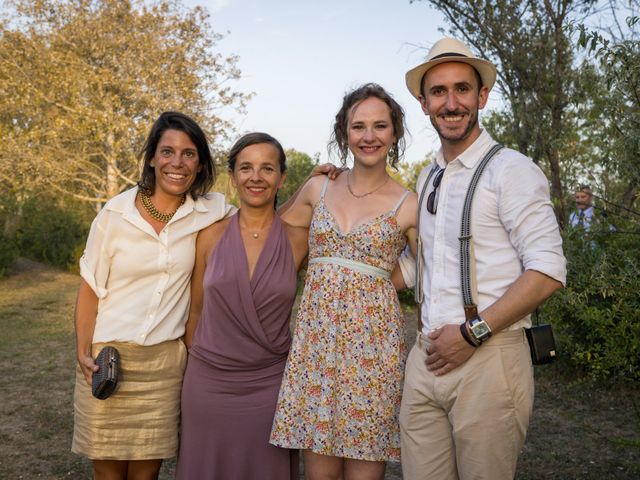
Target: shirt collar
{"x": 473, "y": 154}
{"x": 198, "y": 204}
{"x": 125, "y": 202}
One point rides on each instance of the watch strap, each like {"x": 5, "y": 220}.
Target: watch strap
{"x": 466, "y": 336}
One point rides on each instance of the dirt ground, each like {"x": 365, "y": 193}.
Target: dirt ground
{"x": 578, "y": 430}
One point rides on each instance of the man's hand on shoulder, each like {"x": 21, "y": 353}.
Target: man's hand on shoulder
{"x": 447, "y": 350}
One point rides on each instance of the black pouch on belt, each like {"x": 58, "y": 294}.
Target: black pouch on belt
{"x": 541, "y": 343}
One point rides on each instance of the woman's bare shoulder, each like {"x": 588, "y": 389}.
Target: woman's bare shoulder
{"x": 313, "y": 188}
{"x": 407, "y": 213}
{"x": 209, "y": 236}
{"x": 412, "y": 200}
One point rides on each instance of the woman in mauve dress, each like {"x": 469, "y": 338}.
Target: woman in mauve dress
{"x": 243, "y": 288}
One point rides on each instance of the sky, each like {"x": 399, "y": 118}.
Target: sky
{"x": 301, "y": 57}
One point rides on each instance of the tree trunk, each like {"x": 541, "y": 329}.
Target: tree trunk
{"x": 112, "y": 187}
{"x": 630, "y": 194}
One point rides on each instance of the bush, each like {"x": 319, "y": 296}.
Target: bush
{"x": 598, "y": 313}
{"x": 53, "y": 233}
{"x": 8, "y": 247}
{"x": 407, "y": 297}
{"x": 8, "y": 253}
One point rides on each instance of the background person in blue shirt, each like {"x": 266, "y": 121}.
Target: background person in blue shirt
{"x": 583, "y": 215}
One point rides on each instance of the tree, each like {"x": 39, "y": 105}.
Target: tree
{"x": 407, "y": 173}
{"x": 530, "y": 44}
{"x": 299, "y": 166}
{"x": 81, "y": 82}
{"x": 618, "y": 60}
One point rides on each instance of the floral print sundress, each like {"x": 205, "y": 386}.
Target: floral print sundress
{"x": 341, "y": 389}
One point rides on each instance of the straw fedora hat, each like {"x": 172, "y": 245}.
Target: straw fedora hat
{"x": 450, "y": 50}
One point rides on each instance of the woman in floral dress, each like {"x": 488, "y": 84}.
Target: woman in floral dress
{"x": 340, "y": 395}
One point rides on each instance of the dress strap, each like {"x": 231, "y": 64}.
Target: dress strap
{"x": 324, "y": 187}
{"x": 399, "y": 204}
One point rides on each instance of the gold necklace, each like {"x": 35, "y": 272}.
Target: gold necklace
{"x": 368, "y": 193}
{"x": 154, "y": 212}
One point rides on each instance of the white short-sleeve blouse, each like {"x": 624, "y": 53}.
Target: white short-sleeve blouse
{"x": 141, "y": 278}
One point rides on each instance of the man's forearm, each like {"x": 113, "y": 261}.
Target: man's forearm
{"x": 530, "y": 290}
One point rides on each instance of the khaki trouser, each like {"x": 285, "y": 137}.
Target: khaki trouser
{"x": 470, "y": 423}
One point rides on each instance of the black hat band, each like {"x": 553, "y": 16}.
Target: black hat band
{"x": 451, "y": 54}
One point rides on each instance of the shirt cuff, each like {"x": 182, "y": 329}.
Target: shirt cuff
{"x": 557, "y": 271}
{"x": 407, "y": 264}
{"x": 88, "y": 276}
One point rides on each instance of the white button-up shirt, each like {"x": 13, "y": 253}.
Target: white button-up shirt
{"x": 512, "y": 224}
{"x": 141, "y": 278}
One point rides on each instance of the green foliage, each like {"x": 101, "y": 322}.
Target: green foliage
{"x": 299, "y": 166}
{"x": 407, "y": 297}
{"x": 407, "y": 173}
{"x": 52, "y": 232}
{"x": 598, "y": 313}
{"x": 617, "y": 106}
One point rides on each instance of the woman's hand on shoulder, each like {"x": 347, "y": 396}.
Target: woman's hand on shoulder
{"x": 328, "y": 169}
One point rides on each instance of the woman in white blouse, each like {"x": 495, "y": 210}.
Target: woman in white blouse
{"x": 134, "y": 295}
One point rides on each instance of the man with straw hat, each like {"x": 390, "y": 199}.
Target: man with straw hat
{"x": 468, "y": 390}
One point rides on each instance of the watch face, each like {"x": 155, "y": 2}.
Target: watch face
{"x": 480, "y": 329}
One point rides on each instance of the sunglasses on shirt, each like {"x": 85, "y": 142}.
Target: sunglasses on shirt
{"x": 432, "y": 199}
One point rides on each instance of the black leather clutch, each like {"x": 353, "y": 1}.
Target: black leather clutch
{"x": 105, "y": 380}
{"x": 541, "y": 343}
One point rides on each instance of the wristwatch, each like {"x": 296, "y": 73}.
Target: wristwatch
{"x": 467, "y": 336}
{"x": 479, "y": 329}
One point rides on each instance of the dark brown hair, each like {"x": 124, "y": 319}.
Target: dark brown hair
{"x": 340, "y": 136}
{"x": 206, "y": 175}
{"x": 255, "y": 138}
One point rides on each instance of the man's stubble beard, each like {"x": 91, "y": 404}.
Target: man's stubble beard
{"x": 473, "y": 121}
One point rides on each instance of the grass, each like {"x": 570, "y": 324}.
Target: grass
{"x": 579, "y": 430}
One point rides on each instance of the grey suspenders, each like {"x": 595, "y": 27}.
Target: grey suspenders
{"x": 470, "y": 308}
{"x": 466, "y": 261}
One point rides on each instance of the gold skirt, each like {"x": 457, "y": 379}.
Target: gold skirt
{"x": 139, "y": 421}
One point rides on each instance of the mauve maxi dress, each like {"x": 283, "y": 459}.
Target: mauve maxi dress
{"x": 236, "y": 362}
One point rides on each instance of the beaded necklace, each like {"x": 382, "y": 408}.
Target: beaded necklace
{"x": 154, "y": 212}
